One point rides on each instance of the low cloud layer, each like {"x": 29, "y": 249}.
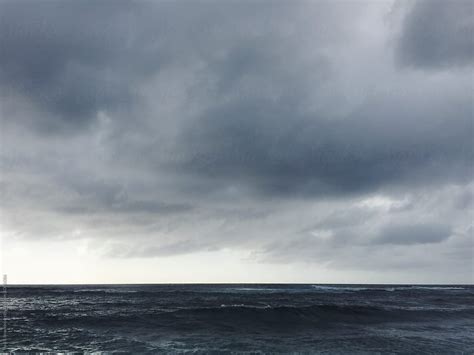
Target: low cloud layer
{"x": 338, "y": 134}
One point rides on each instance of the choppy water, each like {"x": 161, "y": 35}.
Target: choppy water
{"x": 242, "y": 318}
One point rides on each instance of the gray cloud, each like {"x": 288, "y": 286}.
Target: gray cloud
{"x": 438, "y": 34}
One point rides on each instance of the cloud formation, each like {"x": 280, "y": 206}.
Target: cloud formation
{"x": 318, "y": 132}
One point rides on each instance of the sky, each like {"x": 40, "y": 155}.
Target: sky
{"x": 237, "y": 141}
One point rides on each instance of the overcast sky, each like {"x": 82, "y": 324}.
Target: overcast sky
{"x": 237, "y": 141}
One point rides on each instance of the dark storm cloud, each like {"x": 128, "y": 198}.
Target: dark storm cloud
{"x": 71, "y": 59}
{"x": 414, "y": 234}
{"x": 279, "y": 150}
{"x": 63, "y": 57}
{"x": 438, "y": 34}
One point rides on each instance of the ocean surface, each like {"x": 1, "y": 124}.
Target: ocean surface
{"x": 242, "y": 318}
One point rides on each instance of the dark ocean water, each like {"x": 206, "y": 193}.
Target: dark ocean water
{"x": 242, "y": 318}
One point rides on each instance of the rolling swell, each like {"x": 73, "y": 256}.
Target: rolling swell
{"x": 241, "y": 316}
{"x": 243, "y": 319}
{"x": 316, "y": 314}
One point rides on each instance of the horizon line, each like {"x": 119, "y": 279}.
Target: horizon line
{"x": 239, "y": 283}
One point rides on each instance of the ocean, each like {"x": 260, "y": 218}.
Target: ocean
{"x": 238, "y": 318}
